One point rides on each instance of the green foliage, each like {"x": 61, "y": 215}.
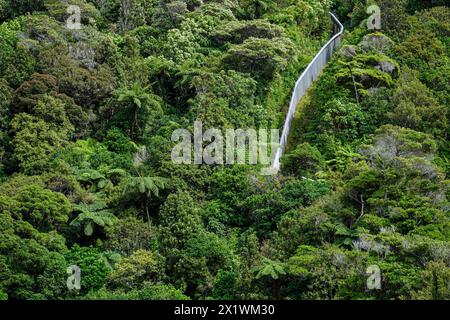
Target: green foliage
{"x": 139, "y": 268}
{"x": 201, "y": 260}
{"x": 44, "y": 209}
{"x": 146, "y": 186}
{"x": 13, "y": 9}
{"x": 305, "y": 160}
{"x": 416, "y": 108}
{"x": 367, "y": 71}
{"x": 32, "y": 265}
{"x": 130, "y": 234}
{"x": 150, "y": 292}
{"x": 86, "y": 179}
{"x": 5, "y": 98}
{"x": 261, "y": 57}
{"x": 310, "y": 16}
{"x": 92, "y": 216}
{"x": 239, "y": 31}
{"x": 225, "y": 285}
{"x": 400, "y": 180}
{"x": 34, "y": 141}
{"x": 271, "y": 269}
{"x": 421, "y": 47}
{"x": 17, "y": 63}
{"x": 436, "y": 278}
{"x": 137, "y": 107}
{"x": 179, "y": 220}
{"x": 93, "y": 266}
{"x": 345, "y": 121}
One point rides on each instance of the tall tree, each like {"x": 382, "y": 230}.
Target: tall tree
{"x": 141, "y": 103}
{"x": 147, "y": 186}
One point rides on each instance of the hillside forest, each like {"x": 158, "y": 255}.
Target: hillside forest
{"x": 87, "y": 113}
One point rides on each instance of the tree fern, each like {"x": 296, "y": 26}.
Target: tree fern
{"x": 91, "y": 215}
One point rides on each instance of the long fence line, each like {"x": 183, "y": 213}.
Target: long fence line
{"x": 306, "y": 79}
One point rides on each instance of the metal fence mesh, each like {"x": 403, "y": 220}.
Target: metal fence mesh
{"x": 306, "y": 79}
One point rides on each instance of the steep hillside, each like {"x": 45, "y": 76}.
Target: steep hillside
{"x": 92, "y": 94}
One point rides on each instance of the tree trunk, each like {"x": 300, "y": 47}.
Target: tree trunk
{"x": 146, "y": 209}
{"x": 276, "y": 290}
{"x": 133, "y": 126}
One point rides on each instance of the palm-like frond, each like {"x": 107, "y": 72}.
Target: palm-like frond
{"x": 270, "y": 268}
{"x": 136, "y": 94}
{"x": 91, "y": 215}
{"x": 148, "y": 185}
{"x": 117, "y": 172}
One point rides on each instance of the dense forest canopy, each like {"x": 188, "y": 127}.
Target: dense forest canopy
{"x": 91, "y": 92}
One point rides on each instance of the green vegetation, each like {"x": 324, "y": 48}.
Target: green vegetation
{"x": 86, "y": 177}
